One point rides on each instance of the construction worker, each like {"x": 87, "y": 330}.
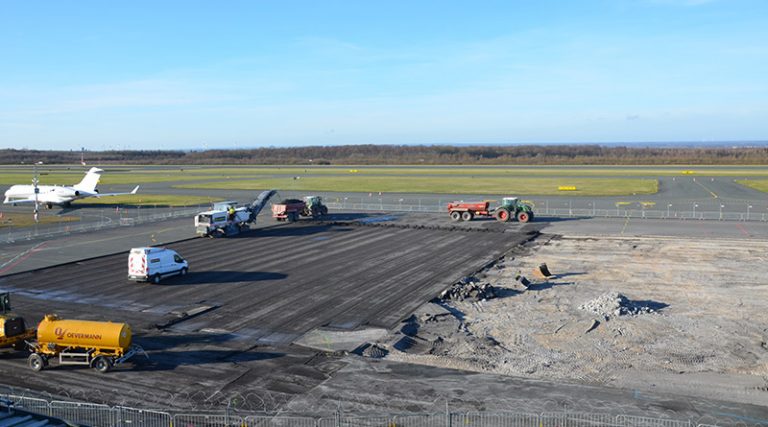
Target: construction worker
{"x": 231, "y": 212}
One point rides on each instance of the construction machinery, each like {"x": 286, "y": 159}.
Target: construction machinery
{"x": 229, "y": 219}
{"x": 510, "y": 208}
{"x": 100, "y": 345}
{"x": 291, "y": 209}
{"x": 13, "y": 329}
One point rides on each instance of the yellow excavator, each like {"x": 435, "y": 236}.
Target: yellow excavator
{"x": 13, "y": 329}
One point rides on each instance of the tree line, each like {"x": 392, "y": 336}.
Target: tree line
{"x": 410, "y": 155}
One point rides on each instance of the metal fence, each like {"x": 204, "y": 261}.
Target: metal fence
{"x": 544, "y": 209}
{"x": 747, "y": 210}
{"x": 119, "y": 416}
{"x": 135, "y": 217}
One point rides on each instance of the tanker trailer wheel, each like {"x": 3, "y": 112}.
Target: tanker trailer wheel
{"x": 523, "y": 217}
{"x": 502, "y": 215}
{"x": 456, "y": 216}
{"x": 467, "y": 216}
{"x": 101, "y": 364}
{"x": 36, "y": 362}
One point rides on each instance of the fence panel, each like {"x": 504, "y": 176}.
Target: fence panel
{"x": 140, "y": 417}
{"x": 565, "y": 419}
{"x": 344, "y": 421}
{"x": 279, "y": 421}
{"x": 83, "y": 413}
{"x": 90, "y": 414}
{"x": 500, "y": 419}
{"x": 208, "y": 420}
{"x": 634, "y": 421}
{"x": 421, "y": 420}
{"x": 40, "y": 406}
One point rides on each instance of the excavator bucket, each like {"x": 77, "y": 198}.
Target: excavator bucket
{"x": 543, "y": 271}
{"x": 260, "y": 202}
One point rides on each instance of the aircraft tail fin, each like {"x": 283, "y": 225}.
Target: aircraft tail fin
{"x": 90, "y": 180}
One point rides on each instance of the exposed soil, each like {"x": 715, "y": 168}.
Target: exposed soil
{"x": 680, "y": 316}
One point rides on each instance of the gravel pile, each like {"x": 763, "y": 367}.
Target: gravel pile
{"x": 614, "y": 304}
{"x": 469, "y": 288}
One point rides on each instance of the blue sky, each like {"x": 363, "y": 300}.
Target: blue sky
{"x": 202, "y": 74}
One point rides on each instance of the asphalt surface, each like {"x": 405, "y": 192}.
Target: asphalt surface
{"x": 43, "y": 251}
{"x": 260, "y": 293}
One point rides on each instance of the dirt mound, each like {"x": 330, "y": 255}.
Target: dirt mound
{"x": 615, "y": 304}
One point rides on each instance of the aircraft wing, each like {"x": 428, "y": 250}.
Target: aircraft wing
{"x": 134, "y": 191}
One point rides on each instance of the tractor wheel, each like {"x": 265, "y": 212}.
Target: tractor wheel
{"x": 467, "y": 216}
{"x": 456, "y": 216}
{"x": 323, "y": 210}
{"x": 101, "y": 364}
{"x": 502, "y": 215}
{"x": 36, "y": 362}
{"x": 523, "y": 217}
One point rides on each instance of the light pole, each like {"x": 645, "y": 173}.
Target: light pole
{"x": 695, "y": 205}
{"x": 721, "y": 211}
{"x": 748, "y": 208}
{"x": 668, "y": 207}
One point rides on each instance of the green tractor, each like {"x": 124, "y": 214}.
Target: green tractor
{"x": 511, "y": 208}
{"x": 314, "y": 207}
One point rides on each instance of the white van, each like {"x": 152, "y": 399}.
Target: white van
{"x": 153, "y": 264}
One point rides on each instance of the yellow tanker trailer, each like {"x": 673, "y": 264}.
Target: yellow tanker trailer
{"x": 99, "y": 345}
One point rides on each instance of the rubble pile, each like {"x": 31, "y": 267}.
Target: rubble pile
{"x": 469, "y": 288}
{"x": 614, "y": 304}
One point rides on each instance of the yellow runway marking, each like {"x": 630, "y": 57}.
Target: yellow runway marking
{"x": 625, "y": 226}
{"x": 714, "y": 196}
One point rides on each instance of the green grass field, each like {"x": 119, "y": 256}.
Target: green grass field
{"x": 757, "y": 184}
{"x": 170, "y": 200}
{"x": 129, "y": 175}
{"x": 27, "y": 220}
{"x": 443, "y": 184}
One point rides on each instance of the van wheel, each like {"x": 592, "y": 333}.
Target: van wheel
{"x": 183, "y": 271}
{"x": 101, "y": 364}
{"x": 156, "y": 279}
{"x": 36, "y": 362}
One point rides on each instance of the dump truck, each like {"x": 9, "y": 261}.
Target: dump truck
{"x": 229, "y": 219}
{"x": 13, "y": 330}
{"x": 291, "y": 209}
{"x": 100, "y": 345}
{"x": 510, "y": 208}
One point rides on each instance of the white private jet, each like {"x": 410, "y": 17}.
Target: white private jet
{"x": 61, "y": 195}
